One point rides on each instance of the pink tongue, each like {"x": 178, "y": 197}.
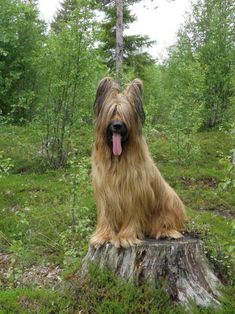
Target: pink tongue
{"x": 117, "y": 146}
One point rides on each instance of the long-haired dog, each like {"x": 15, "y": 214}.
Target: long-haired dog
{"x": 133, "y": 199}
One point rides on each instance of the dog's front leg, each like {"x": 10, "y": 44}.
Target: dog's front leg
{"x": 103, "y": 233}
{"x": 129, "y": 235}
{"x": 100, "y": 237}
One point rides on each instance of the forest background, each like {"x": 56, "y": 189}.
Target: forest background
{"x": 48, "y": 80}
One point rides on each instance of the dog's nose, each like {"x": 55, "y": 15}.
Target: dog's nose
{"x": 117, "y": 125}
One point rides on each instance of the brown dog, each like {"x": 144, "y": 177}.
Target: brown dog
{"x": 132, "y": 197}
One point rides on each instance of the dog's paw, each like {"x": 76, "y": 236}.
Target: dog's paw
{"x": 172, "y": 234}
{"x": 97, "y": 241}
{"x": 125, "y": 243}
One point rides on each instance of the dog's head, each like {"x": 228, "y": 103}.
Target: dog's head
{"x": 118, "y": 116}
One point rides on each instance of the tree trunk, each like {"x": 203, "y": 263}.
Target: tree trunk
{"x": 119, "y": 40}
{"x": 179, "y": 263}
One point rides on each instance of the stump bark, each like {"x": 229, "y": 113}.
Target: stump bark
{"x": 181, "y": 264}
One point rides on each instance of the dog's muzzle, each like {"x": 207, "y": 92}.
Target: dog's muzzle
{"x": 117, "y": 135}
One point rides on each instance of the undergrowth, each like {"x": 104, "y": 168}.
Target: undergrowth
{"x": 47, "y": 217}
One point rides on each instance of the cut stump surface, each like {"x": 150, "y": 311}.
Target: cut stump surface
{"x": 181, "y": 264}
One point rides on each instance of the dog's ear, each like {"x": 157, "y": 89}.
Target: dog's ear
{"x": 134, "y": 93}
{"x": 106, "y": 86}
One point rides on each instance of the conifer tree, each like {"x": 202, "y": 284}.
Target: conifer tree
{"x": 134, "y": 55}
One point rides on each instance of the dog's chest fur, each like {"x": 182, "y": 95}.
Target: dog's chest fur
{"x": 125, "y": 184}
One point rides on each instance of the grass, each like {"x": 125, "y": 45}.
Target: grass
{"x": 33, "y": 301}
{"x": 47, "y": 216}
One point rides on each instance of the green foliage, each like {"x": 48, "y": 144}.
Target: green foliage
{"x": 20, "y": 42}
{"x": 194, "y": 87}
{"x": 5, "y": 165}
{"x": 210, "y": 28}
{"x": 228, "y": 182}
{"x": 103, "y": 292}
{"x": 26, "y": 301}
{"x": 64, "y": 14}
{"x": 37, "y": 228}
{"x": 71, "y": 68}
{"x": 185, "y": 83}
{"x": 80, "y": 227}
{"x": 47, "y": 216}
{"x": 219, "y": 250}
{"x": 175, "y": 104}
{"x": 133, "y": 55}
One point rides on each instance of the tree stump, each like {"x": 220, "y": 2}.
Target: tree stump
{"x": 180, "y": 263}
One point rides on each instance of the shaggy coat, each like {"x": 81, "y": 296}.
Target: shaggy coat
{"x": 133, "y": 199}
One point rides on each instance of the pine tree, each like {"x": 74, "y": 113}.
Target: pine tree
{"x": 133, "y": 54}
{"x": 64, "y": 14}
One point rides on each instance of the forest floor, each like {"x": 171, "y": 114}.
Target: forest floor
{"x": 47, "y": 216}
